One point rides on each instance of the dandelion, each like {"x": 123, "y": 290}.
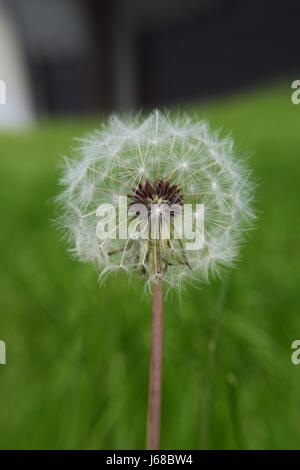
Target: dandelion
{"x": 163, "y": 166}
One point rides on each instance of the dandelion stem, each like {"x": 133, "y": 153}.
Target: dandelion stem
{"x": 154, "y": 405}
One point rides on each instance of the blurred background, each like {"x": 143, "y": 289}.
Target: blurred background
{"x": 65, "y": 57}
{"x": 78, "y": 356}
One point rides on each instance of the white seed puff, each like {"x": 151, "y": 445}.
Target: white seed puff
{"x": 160, "y": 159}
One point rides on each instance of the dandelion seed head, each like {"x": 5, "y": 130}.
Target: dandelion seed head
{"x": 159, "y": 160}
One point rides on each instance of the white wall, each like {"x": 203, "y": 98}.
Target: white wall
{"x": 14, "y": 84}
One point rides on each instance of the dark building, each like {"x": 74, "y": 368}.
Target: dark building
{"x": 88, "y": 56}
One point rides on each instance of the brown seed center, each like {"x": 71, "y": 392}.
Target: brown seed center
{"x": 160, "y": 192}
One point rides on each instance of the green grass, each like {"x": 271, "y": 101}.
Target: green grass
{"x": 78, "y": 356}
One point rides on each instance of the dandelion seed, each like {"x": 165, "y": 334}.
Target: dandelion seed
{"x": 180, "y": 154}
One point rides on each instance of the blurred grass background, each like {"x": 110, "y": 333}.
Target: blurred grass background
{"x": 78, "y": 356}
